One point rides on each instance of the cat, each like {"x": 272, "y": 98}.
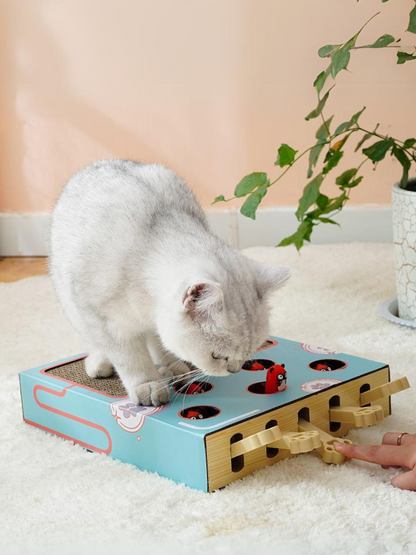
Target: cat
{"x": 148, "y": 285}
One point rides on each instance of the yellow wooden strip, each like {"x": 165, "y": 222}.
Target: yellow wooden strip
{"x": 296, "y": 443}
{"x": 358, "y": 416}
{"x": 220, "y": 470}
{"x": 327, "y": 450}
{"x": 385, "y": 390}
{"x": 255, "y": 441}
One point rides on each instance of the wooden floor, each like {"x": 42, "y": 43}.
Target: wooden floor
{"x": 13, "y": 269}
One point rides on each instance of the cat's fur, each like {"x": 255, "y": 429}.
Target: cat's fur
{"x": 147, "y": 284}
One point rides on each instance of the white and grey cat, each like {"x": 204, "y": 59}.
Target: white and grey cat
{"x": 147, "y": 284}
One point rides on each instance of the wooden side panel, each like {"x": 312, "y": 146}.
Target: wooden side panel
{"x": 220, "y": 472}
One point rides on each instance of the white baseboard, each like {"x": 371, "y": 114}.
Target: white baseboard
{"x": 26, "y": 234}
{"x": 372, "y": 224}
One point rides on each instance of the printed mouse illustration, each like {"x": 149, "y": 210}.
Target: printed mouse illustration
{"x": 276, "y": 379}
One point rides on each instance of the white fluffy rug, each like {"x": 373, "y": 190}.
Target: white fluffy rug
{"x": 53, "y": 493}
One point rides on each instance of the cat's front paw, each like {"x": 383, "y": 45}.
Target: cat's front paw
{"x": 150, "y": 394}
{"x": 97, "y": 366}
{"x": 176, "y": 372}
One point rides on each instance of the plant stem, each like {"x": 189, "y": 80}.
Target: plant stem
{"x": 371, "y": 46}
{"x": 385, "y": 137}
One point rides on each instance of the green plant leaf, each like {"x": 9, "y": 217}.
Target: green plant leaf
{"x": 403, "y": 57}
{"x": 322, "y": 201}
{"x": 343, "y": 127}
{"x": 336, "y": 203}
{"x": 332, "y": 159}
{"x": 339, "y": 144}
{"x": 249, "y": 183}
{"x": 354, "y": 183}
{"x": 401, "y": 156}
{"x": 285, "y": 155}
{"x": 314, "y": 154}
{"x": 378, "y": 150}
{"x": 320, "y": 81}
{"x": 348, "y": 124}
{"x": 351, "y": 43}
{"x": 412, "y": 21}
{"x": 323, "y": 130}
{"x": 221, "y": 198}
{"x": 382, "y": 41}
{"x": 346, "y": 176}
{"x": 333, "y": 205}
{"x": 362, "y": 141}
{"x": 326, "y": 51}
{"x": 409, "y": 143}
{"x": 302, "y": 234}
{"x": 328, "y": 221}
{"x": 318, "y": 110}
{"x": 252, "y": 202}
{"x": 356, "y": 116}
{"x": 309, "y": 226}
{"x": 340, "y": 61}
{"x": 309, "y": 196}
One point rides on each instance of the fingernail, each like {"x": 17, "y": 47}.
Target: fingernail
{"x": 338, "y": 445}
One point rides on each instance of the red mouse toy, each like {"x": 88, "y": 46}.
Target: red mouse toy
{"x": 194, "y": 389}
{"x": 256, "y": 366}
{"x": 276, "y": 379}
{"x": 193, "y": 414}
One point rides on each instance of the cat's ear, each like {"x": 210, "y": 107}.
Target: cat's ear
{"x": 272, "y": 276}
{"x": 203, "y": 299}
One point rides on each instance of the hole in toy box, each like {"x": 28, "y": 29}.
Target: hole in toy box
{"x": 365, "y": 387}
{"x": 327, "y": 365}
{"x": 334, "y": 401}
{"x": 257, "y": 365}
{"x": 305, "y": 414}
{"x": 194, "y": 388}
{"x": 200, "y": 412}
{"x": 257, "y": 388}
{"x": 237, "y": 463}
{"x": 267, "y": 344}
{"x": 271, "y": 451}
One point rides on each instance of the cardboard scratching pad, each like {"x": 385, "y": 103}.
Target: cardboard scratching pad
{"x": 289, "y": 398}
{"x": 75, "y": 372}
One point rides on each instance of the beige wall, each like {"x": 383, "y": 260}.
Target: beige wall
{"x": 208, "y": 87}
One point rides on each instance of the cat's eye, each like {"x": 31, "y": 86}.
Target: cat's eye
{"x": 215, "y": 357}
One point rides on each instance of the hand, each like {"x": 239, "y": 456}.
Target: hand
{"x": 389, "y": 454}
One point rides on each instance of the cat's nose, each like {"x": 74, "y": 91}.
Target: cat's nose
{"x": 233, "y": 370}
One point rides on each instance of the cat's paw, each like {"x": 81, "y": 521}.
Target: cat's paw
{"x": 152, "y": 394}
{"x": 165, "y": 372}
{"x": 97, "y": 366}
{"x": 176, "y": 372}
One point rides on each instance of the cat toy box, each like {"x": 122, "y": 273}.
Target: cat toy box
{"x": 214, "y": 432}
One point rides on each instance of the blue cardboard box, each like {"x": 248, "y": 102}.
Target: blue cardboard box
{"x": 189, "y": 440}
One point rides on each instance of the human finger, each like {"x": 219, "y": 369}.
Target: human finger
{"x": 391, "y": 438}
{"x": 386, "y": 455}
{"x": 406, "y": 480}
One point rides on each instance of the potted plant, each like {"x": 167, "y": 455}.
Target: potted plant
{"x": 328, "y": 148}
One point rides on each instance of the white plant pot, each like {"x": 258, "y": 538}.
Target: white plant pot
{"x": 404, "y": 236}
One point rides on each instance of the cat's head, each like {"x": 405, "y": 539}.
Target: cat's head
{"x": 216, "y": 324}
